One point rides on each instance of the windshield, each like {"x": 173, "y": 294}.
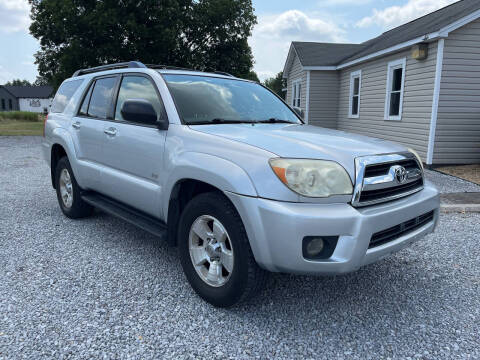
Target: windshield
{"x": 210, "y": 100}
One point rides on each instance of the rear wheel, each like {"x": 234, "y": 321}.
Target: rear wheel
{"x": 68, "y": 192}
{"x": 215, "y": 252}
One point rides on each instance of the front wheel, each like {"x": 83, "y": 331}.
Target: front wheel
{"x": 215, "y": 252}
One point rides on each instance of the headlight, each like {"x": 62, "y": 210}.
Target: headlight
{"x": 417, "y": 156}
{"x": 312, "y": 178}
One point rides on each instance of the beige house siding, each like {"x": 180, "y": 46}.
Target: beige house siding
{"x": 323, "y": 98}
{"x": 296, "y": 72}
{"x": 413, "y": 129}
{"x": 457, "y": 137}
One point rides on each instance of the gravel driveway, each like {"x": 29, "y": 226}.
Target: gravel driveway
{"x": 100, "y": 288}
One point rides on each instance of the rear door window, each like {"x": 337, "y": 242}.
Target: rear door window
{"x": 101, "y": 99}
{"x": 64, "y": 94}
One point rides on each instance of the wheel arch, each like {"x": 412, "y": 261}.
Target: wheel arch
{"x": 62, "y": 145}
{"x": 193, "y": 173}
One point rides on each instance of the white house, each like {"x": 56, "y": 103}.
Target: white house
{"x": 26, "y": 98}
{"x": 417, "y": 84}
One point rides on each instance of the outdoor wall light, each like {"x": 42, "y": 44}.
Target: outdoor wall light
{"x": 420, "y": 51}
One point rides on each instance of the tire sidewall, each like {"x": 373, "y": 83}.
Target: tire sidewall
{"x": 232, "y": 291}
{"x": 75, "y": 209}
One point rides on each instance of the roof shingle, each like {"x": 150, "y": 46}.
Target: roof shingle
{"x": 41, "y": 92}
{"x": 328, "y": 54}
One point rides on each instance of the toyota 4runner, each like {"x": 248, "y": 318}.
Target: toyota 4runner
{"x": 229, "y": 173}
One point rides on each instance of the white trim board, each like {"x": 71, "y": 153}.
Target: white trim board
{"x": 436, "y": 96}
{"x": 307, "y": 98}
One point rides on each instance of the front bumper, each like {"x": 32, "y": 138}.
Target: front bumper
{"x": 276, "y": 229}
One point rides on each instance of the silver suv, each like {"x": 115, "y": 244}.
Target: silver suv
{"x": 232, "y": 176}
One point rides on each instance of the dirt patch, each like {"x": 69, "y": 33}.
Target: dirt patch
{"x": 466, "y": 172}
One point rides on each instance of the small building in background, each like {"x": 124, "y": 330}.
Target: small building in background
{"x": 26, "y": 98}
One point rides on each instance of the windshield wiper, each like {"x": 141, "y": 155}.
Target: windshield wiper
{"x": 275, "y": 121}
{"x": 221, "y": 121}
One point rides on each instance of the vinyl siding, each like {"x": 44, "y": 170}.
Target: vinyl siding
{"x": 296, "y": 72}
{"x": 413, "y": 129}
{"x": 323, "y": 104}
{"x": 457, "y": 136}
{"x": 6, "y": 96}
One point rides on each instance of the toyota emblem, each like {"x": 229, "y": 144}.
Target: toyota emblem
{"x": 400, "y": 174}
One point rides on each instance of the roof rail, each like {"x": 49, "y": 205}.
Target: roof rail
{"x": 223, "y": 73}
{"x": 168, "y": 67}
{"x": 137, "y": 64}
{"x": 122, "y": 65}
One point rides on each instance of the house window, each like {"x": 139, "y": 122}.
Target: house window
{"x": 3, "y": 104}
{"x": 296, "y": 93}
{"x": 355, "y": 85}
{"x": 10, "y": 105}
{"x": 395, "y": 87}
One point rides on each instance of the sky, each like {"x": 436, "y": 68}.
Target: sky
{"x": 279, "y": 23}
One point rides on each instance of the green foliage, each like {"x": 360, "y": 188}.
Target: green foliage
{"x": 276, "y": 84}
{"x": 18, "y": 82}
{"x": 19, "y": 115}
{"x": 200, "y": 34}
{"x": 252, "y": 75}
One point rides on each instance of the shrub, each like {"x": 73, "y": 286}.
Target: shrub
{"x": 19, "y": 115}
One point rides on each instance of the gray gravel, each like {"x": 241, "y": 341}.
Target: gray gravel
{"x": 450, "y": 184}
{"x": 100, "y": 288}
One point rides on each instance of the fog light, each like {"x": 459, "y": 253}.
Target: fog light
{"x": 315, "y": 247}
{"x": 318, "y": 247}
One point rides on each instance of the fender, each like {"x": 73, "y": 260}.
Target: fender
{"x": 62, "y": 137}
{"x": 218, "y": 172}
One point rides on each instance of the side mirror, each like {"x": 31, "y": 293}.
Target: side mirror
{"x": 299, "y": 112}
{"x": 139, "y": 111}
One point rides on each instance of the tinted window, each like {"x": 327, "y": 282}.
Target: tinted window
{"x": 397, "y": 79}
{"x": 101, "y": 97}
{"x": 203, "y": 99}
{"x": 64, "y": 94}
{"x": 137, "y": 87}
{"x": 86, "y": 101}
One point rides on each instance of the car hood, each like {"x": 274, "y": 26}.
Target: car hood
{"x": 304, "y": 141}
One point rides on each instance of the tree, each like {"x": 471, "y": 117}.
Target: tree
{"x": 277, "y": 84}
{"x": 18, "y": 82}
{"x": 200, "y": 34}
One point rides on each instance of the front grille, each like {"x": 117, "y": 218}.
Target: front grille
{"x": 375, "y": 195}
{"x": 379, "y": 183}
{"x": 395, "y": 232}
{"x": 382, "y": 169}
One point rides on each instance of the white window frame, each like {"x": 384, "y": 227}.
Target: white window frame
{"x": 393, "y": 65}
{"x": 354, "y": 75}
{"x": 296, "y": 86}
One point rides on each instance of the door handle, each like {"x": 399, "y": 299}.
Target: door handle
{"x": 110, "y": 131}
{"x": 77, "y": 125}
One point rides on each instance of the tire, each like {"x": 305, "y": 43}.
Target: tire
{"x": 74, "y": 207}
{"x": 233, "y": 283}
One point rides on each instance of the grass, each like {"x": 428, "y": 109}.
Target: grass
{"x": 20, "y": 123}
{"x": 19, "y": 115}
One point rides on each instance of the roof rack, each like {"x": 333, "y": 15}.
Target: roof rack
{"x": 137, "y": 64}
{"x": 223, "y": 73}
{"x": 122, "y": 65}
{"x": 168, "y": 67}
